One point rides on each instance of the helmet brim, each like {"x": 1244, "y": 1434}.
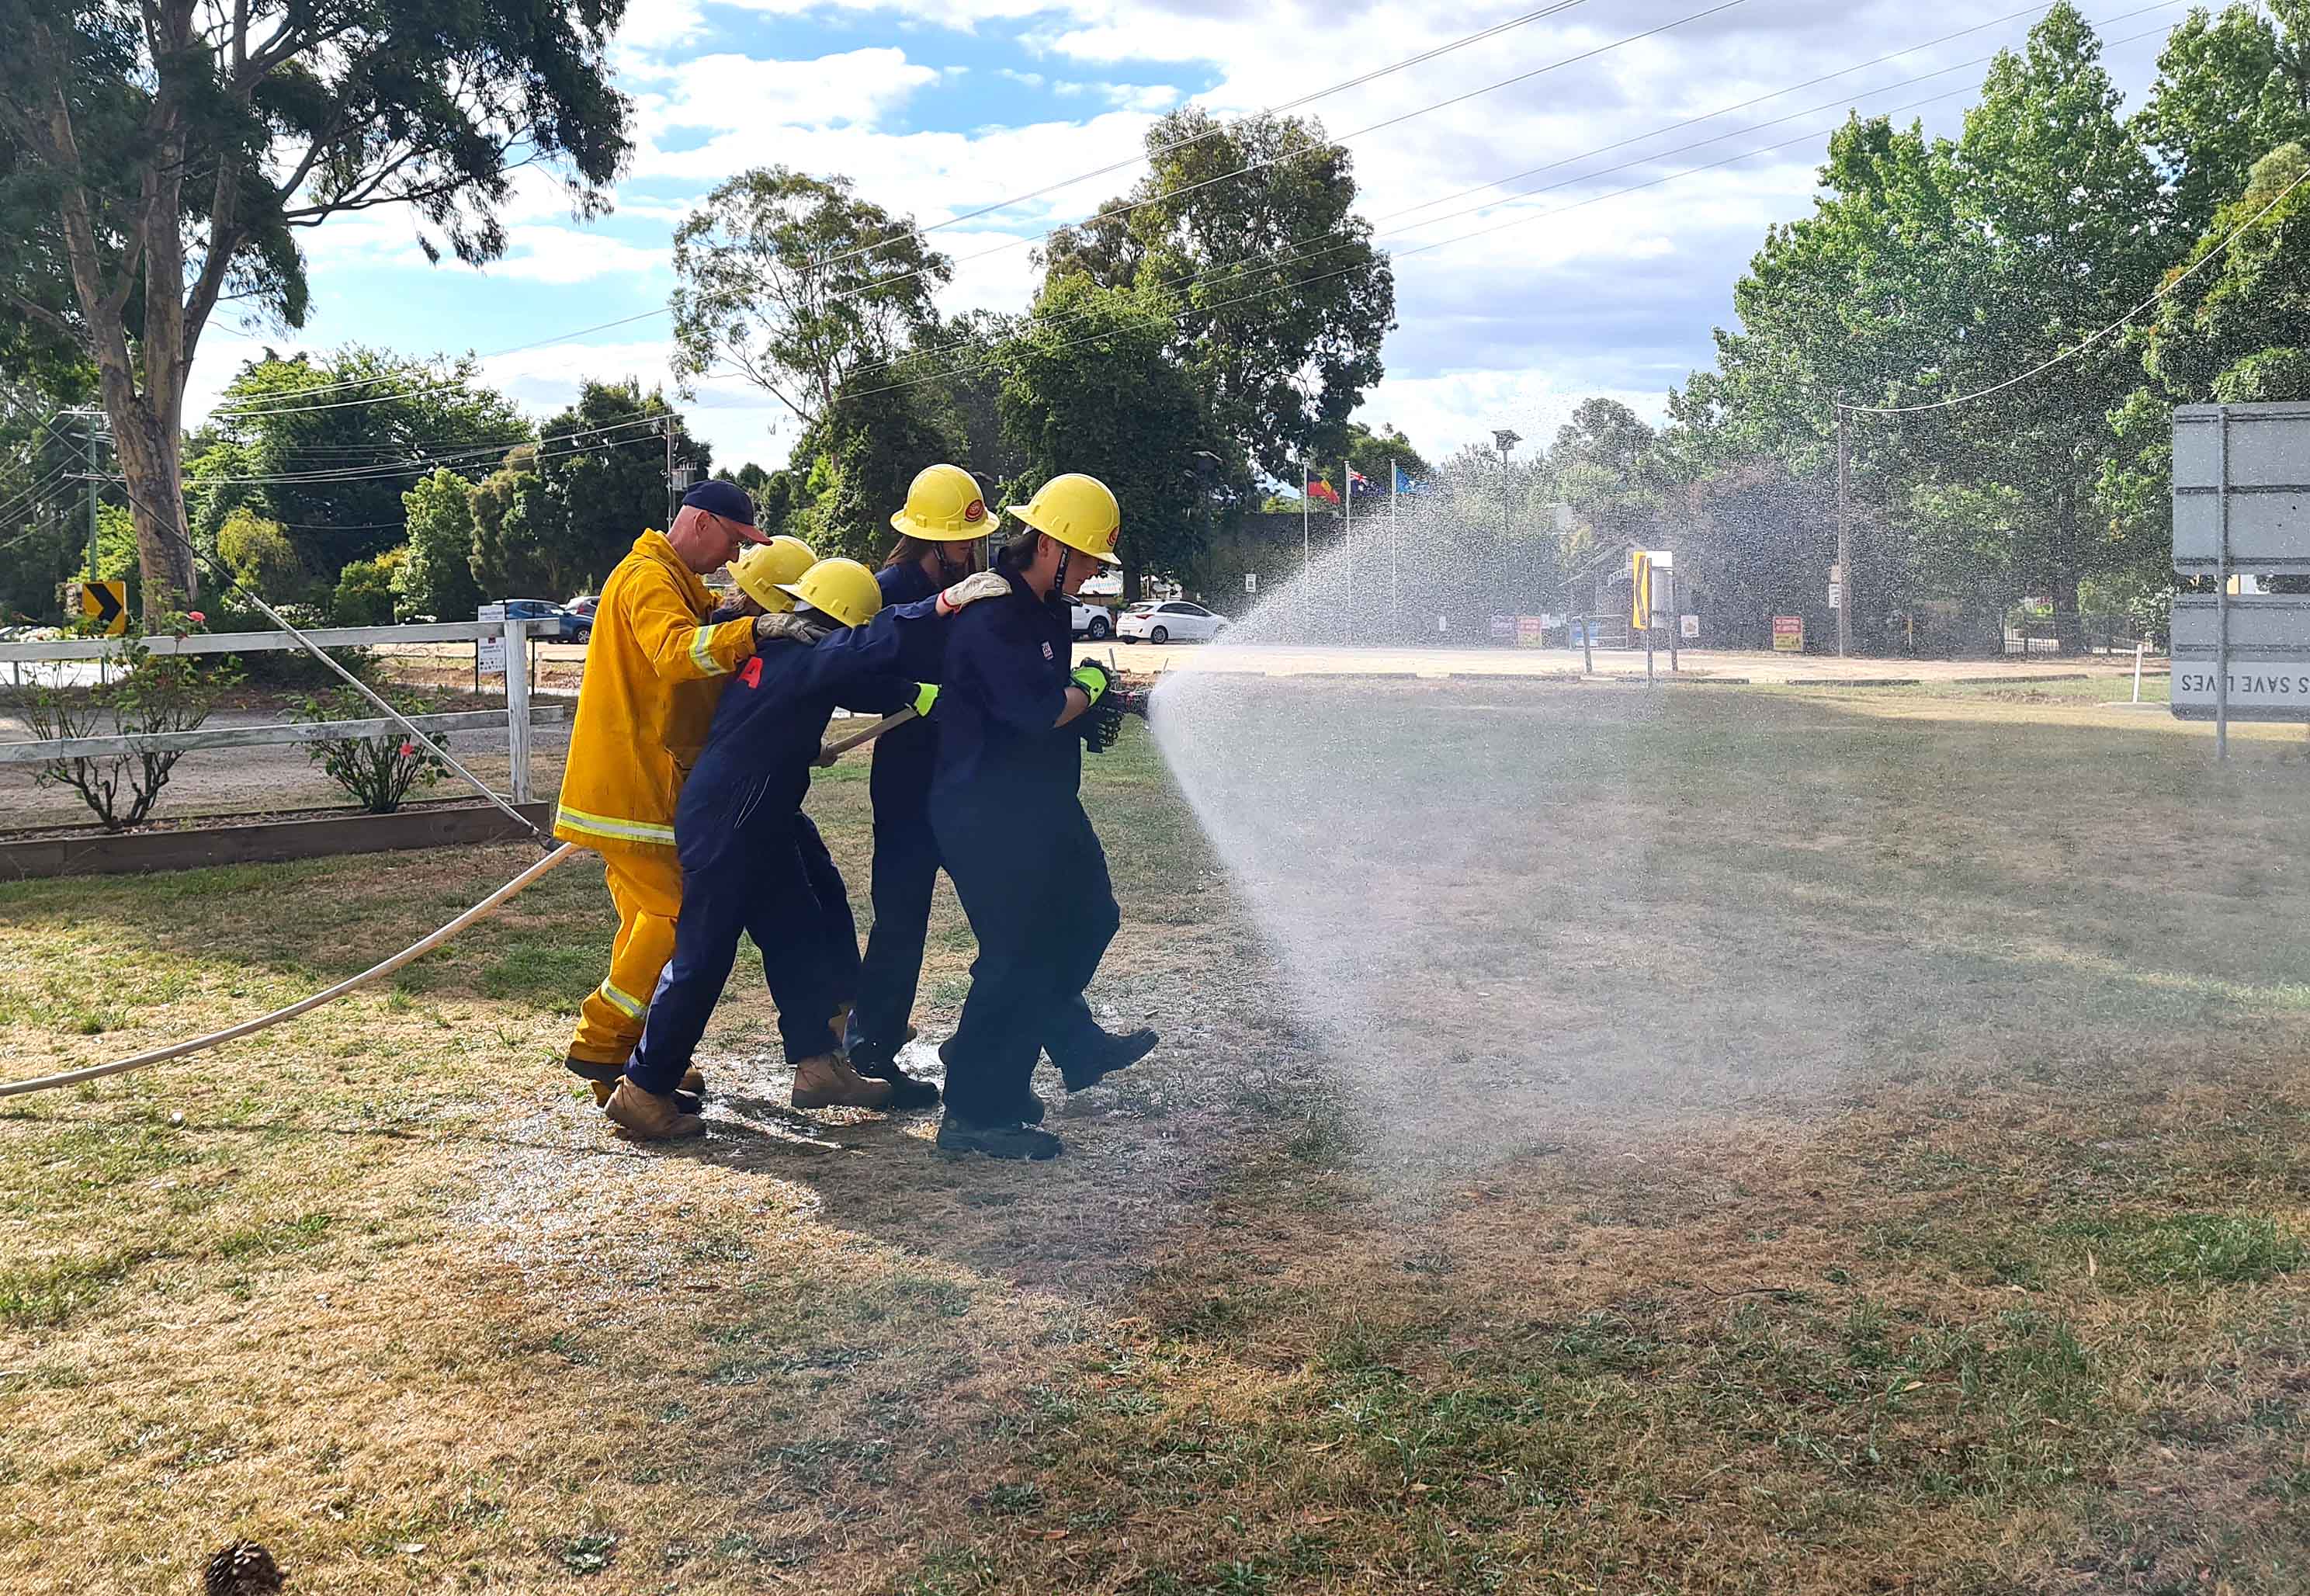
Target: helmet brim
{"x": 901, "y": 522}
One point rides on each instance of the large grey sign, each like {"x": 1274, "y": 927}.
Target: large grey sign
{"x": 2241, "y": 508}
{"x": 2269, "y": 488}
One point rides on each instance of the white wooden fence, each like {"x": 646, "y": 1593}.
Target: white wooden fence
{"x": 517, "y": 717}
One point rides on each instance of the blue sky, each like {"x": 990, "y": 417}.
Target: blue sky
{"x": 938, "y": 109}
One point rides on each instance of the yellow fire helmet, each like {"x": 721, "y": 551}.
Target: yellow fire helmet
{"x": 763, "y": 571}
{"x": 1077, "y": 510}
{"x": 944, "y": 505}
{"x": 841, "y": 589}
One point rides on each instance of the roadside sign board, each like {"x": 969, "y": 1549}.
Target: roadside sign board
{"x": 104, "y": 602}
{"x": 2269, "y": 494}
{"x": 1688, "y": 626}
{"x": 1251, "y": 581}
{"x": 1836, "y": 595}
{"x": 2240, "y": 509}
{"x": 1504, "y": 628}
{"x": 1788, "y": 634}
{"x": 1531, "y": 631}
{"x": 490, "y": 660}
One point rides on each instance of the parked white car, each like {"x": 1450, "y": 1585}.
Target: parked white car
{"x": 1174, "y": 621}
{"x": 1095, "y": 621}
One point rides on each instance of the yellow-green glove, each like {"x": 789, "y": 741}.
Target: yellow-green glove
{"x": 1093, "y": 678}
{"x": 925, "y": 695}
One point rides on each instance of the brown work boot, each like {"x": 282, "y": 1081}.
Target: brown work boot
{"x": 684, "y": 1099}
{"x": 828, "y": 1081}
{"x": 645, "y": 1116}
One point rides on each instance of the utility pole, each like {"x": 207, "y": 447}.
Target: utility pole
{"x": 1843, "y": 585}
{"x": 91, "y": 495}
{"x": 672, "y": 490}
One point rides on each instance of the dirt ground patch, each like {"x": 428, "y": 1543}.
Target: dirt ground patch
{"x": 1813, "y": 1142}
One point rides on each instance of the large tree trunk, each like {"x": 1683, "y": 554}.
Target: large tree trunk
{"x": 2069, "y": 637}
{"x": 150, "y": 451}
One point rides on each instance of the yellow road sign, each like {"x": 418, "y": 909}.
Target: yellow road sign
{"x": 103, "y": 602}
{"x": 1640, "y": 610}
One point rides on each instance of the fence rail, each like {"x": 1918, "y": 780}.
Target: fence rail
{"x": 97, "y": 748}
{"x": 328, "y": 636}
{"x": 516, "y": 717}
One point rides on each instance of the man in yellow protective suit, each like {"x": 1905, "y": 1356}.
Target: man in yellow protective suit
{"x": 656, "y": 666}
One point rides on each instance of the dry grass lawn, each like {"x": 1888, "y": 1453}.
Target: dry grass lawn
{"x": 1807, "y": 1141}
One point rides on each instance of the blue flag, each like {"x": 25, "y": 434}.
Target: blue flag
{"x": 1405, "y": 482}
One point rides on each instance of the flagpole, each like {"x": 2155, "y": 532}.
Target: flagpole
{"x": 1395, "y": 533}
{"x": 1348, "y": 536}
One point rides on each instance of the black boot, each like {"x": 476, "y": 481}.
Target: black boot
{"x": 907, "y": 1092}
{"x": 956, "y": 1135}
{"x": 1112, "y": 1053}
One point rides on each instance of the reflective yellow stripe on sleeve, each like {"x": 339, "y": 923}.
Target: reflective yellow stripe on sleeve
{"x": 577, "y": 820}
{"x": 701, "y": 650}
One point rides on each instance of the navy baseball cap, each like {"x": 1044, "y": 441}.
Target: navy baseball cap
{"x": 727, "y": 500}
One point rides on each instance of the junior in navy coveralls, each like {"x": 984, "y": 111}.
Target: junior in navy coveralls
{"x": 751, "y": 861}
{"x": 905, "y": 856}
{"x": 1011, "y": 827}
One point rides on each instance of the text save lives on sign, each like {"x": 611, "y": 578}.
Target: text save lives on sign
{"x": 2242, "y": 502}
{"x": 2270, "y": 657}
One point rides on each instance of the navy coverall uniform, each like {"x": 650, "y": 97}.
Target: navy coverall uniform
{"x": 751, "y": 861}
{"x": 905, "y": 855}
{"x": 1011, "y": 827}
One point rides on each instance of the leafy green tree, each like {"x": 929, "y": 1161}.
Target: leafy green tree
{"x": 1061, "y": 376}
{"x": 438, "y": 579}
{"x": 288, "y": 439}
{"x": 513, "y": 554}
{"x": 1281, "y": 300}
{"x": 158, "y": 160}
{"x": 2229, "y": 90}
{"x": 364, "y": 590}
{"x": 602, "y": 463}
{"x": 796, "y": 284}
{"x": 858, "y": 458}
{"x": 2240, "y": 329}
{"x": 2060, "y": 187}
{"x": 262, "y": 558}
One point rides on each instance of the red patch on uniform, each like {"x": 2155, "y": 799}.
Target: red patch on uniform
{"x": 752, "y": 674}
{"x": 975, "y": 510}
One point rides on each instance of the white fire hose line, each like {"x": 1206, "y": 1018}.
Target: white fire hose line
{"x": 481, "y": 911}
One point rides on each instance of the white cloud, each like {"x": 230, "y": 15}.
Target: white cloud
{"x": 565, "y": 255}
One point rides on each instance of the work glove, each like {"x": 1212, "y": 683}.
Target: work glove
{"x": 789, "y": 629}
{"x": 925, "y": 695}
{"x": 1093, "y": 677}
{"x": 981, "y": 585}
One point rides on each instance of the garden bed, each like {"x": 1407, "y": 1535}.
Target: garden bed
{"x": 248, "y": 839}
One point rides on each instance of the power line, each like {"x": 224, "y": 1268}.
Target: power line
{"x": 1220, "y": 275}
{"x": 1160, "y": 150}
{"x": 1172, "y": 194}
{"x": 2078, "y": 348}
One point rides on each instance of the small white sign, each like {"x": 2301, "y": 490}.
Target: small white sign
{"x": 489, "y": 612}
{"x": 1836, "y": 595}
{"x": 1442, "y": 623}
{"x": 1251, "y": 581}
{"x": 492, "y": 660}
{"x": 1688, "y": 626}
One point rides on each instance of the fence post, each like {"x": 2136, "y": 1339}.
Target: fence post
{"x": 516, "y": 681}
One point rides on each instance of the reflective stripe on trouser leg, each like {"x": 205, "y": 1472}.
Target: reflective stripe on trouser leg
{"x": 647, "y": 888}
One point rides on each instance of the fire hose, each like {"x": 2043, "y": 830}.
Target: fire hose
{"x": 481, "y": 911}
